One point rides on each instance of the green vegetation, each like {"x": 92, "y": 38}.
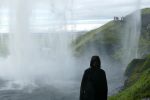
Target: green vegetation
{"x": 146, "y": 11}
{"x": 144, "y": 42}
{"x": 137, "y": 85}
{"x": 106, "y": 32}
{"x": 109, "y": 36}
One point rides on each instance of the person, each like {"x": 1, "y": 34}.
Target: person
{"x": 94, "y": 82}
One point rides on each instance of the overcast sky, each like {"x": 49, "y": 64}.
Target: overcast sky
{"x": 86, "y": 14}
{"x": 105, "y": 9}
{"x": 99, "y": 12}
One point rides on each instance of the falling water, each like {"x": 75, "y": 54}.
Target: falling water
{"x": 39, "y": 52}
{"x": 130, "y": 38}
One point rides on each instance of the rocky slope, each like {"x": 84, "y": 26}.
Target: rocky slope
{"x": 137, "y": 84}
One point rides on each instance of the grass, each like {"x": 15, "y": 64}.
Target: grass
{"x": 139, "y": 90}
{"x": 104, "y": 35}
{"x": 137, "y": 85}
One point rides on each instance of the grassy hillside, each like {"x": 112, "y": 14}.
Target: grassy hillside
{"x": 137, "y": 85}
{"x": 106, "y": 36}
{"x": 108, "y": 29}
{"x": 109, "y": 35}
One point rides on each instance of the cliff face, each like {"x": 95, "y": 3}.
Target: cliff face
{"x": 137, "y": 84}
{"x": 144, "y": 43}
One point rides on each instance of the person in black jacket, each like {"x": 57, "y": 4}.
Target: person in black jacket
{"x": 94, "y": 83}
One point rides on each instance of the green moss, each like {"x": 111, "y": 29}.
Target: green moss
{"x": 146, "y": 65}
{"x": 138, "y": 82}
{"x": 135, "y": 64}
{"x": 139, "y": 90}
{"x": 144, "y": 45}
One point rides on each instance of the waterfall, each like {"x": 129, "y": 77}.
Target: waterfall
{"x": 39, "y": 45}
{"x": 35, "y": 33}
{"x": 131, "y": 35}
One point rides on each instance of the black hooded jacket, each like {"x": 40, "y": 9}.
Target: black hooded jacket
{"x": 99, "y": 83}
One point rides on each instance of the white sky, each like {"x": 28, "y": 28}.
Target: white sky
{"x": 79, "y": 14}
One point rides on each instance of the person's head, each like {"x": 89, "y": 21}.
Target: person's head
{"x": 95, "y": 62}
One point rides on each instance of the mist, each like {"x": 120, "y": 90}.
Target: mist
{"x": 40, "y": 58}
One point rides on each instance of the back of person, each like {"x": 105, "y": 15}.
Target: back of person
{"x": 94, "y": 84}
